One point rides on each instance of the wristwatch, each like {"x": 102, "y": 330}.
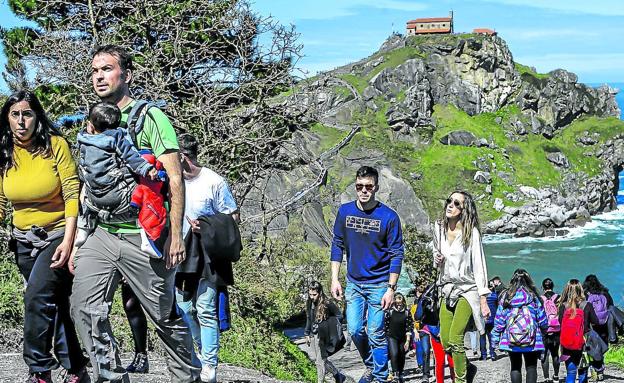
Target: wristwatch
{"x": 392, "y": 286}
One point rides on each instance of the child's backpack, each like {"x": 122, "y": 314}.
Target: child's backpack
{"x": 573, "y": 329}
{"x": 599, "y": 301}
{"x": 521, "y": 329}
{"x": 552, "y": 313}
{"x": 427, "y": 304}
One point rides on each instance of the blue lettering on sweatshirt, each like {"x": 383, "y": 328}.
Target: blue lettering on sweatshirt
{"x": 372, "y": 241}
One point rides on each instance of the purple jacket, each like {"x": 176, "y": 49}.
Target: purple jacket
{"x": 500, "y": 335}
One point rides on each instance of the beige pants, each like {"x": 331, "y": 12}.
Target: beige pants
{"x": 100, "y": 263}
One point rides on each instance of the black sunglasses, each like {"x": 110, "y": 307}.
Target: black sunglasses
{"x": 368, "y": 187}
{"x": 455, "y": 202}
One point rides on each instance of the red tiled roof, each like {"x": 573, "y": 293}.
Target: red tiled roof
{"x": 430, "y": 20}
{"x": 486, "y": 31}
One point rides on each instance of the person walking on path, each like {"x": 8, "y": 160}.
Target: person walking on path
{"x": 207, "y": 194}
{"x": 39, "y": 178}
{"x": 520, "y": 320}
{"x": 601, "y": 300}
{"x": 553, "y": 332}
{"x": 369, "y": 232}
{"x": 398, "y": 326}
{"x": 492, "y": 301}
{"x": 577, "y": 317}
{"x": 421, "y": 338}
{"x": 114, "y": 251}
{"x": 323, "y": 331}
{"x": 458, "y": 255}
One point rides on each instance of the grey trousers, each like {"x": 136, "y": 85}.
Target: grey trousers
{"x": 100, "y": 263}
{"x": 323, "y": 366}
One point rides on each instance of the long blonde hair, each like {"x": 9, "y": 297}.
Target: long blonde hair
{"x": 469, "y": 218}
{"x": 572, "y": 296}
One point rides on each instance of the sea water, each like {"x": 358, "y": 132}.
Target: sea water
{"x": 597, "y": 248}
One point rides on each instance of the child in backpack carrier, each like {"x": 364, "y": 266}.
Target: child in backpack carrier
{"x": 601, "y": 301}
{"x": 108, "y": 167}
{"x": 576, "y": 318}
{"x": 553, "y": 332}
{"x": 517, "y": 327}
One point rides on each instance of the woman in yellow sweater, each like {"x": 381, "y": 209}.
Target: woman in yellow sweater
{"x": 38, "y": 176}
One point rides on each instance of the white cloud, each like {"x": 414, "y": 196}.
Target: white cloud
{"x": 601, "y": 7}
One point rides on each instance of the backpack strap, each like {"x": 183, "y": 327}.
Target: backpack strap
{"x": 136, "y": 118}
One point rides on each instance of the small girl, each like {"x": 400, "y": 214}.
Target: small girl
{"x": 398, "y": 326}
{"x": 553, "y": 332}
{"x": 519, "y": 318}
{"x": 576, "y": 318}
{"x": 323, "y": 322}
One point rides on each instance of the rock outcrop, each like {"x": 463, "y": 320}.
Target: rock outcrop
{"x": 475, "y": 74}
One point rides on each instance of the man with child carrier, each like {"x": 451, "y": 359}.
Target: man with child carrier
{"x": 113, "y": 251}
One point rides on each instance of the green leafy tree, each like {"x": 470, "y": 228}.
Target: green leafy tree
{"x": 216, "y": 64}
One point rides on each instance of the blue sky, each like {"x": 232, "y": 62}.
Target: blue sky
{"x": 584, "y": 37}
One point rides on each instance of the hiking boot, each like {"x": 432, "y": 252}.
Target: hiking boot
{"x": 81, "y": 376}
{"x": 367, "y": 377}
{"x": 40, "y": 377}
{"x": 208, "y": 374}
{"x": 140, "y": 364}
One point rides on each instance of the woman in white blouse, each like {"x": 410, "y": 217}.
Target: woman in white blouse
{"x": 458, "y": 255}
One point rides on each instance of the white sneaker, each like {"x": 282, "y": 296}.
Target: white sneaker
{"x": 208, "y": 374}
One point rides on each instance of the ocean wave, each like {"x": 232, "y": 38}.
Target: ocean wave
{"x": 606, "y": 223}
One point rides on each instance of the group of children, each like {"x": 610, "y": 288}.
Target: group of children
{"x": 572, "y": 327}
{"x": 531, "y": 327}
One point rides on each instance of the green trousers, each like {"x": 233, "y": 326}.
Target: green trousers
{"x": 453, "y": 322}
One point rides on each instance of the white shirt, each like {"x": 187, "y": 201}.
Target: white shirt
{"x": 207, "y": 194}
{"x": 464, "y": 268}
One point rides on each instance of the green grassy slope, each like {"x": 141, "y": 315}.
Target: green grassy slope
{"x": 445, "y": 168}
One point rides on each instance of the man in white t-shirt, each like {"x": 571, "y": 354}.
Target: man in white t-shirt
{"x": 207, "y": 193}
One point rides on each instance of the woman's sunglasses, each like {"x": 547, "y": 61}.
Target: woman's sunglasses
{"x": 455, "y": 202}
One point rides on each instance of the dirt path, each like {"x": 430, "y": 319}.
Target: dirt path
{"x": 13, "y": 370}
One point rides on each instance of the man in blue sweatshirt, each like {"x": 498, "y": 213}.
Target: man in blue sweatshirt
{"x": 369, "y": 232}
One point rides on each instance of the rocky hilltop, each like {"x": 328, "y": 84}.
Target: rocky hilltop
{"x": 540, "y": 152}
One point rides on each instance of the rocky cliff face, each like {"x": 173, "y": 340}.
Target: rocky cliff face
{"x": 421, "y": 101}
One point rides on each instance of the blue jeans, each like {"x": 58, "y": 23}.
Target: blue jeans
{"x": 203, "y": 321}
{"x": 485, "y": 338}
{"x": 423, "y": 348}
{"x": 572, "y": 370}
{"x": 365, "y": 322}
